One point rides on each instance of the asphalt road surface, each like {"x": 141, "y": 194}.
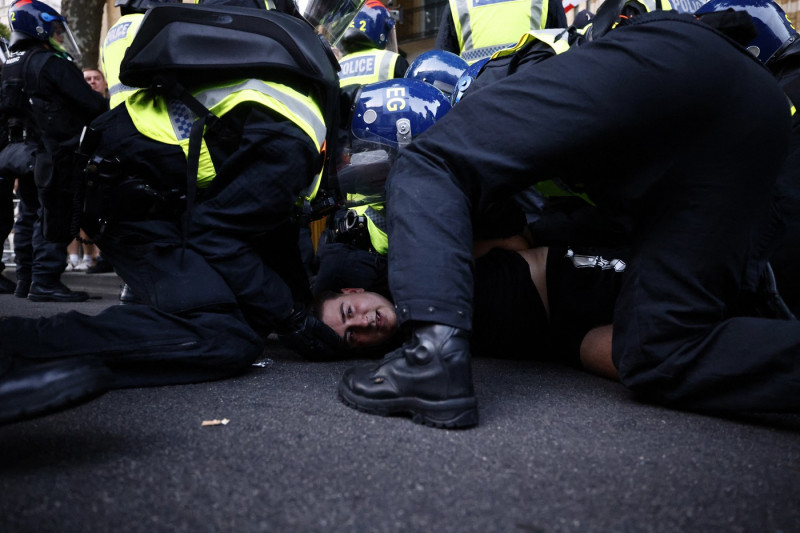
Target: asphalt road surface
{"x": 556, "y": 450}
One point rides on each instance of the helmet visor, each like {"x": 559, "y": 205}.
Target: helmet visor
{"x": 62, "y": 40}
{"x": 329, "y": 17}
{"x": 363, "y": 169}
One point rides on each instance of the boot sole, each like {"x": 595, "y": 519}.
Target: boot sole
{"x": 67, "y": 386}
{"x": 47, "y": 298}
{"x": 447, "y": 414}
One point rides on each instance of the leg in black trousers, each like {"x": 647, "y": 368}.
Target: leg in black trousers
{"x": 684, "y": 151}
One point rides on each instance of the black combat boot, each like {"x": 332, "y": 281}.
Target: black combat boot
{"x": 54, "y": 291}
{"x": 23, "y": 287}
{"x": 428, "y": 378}
{"x": 128, "y": 297}
{"x": 32, "y": 388}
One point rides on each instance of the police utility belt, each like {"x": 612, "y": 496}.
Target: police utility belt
{"x": 113, "y": 195}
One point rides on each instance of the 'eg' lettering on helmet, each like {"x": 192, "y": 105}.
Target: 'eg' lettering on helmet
{"x": 395, "y": 98}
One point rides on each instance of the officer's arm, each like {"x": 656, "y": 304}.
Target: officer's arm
{"x": 68, "y": 80}
{"x": 446, "y": 38}
{"x": 502, "y": 67}
{"x": 400, "y": 67}
{"x": 556, "y": 16}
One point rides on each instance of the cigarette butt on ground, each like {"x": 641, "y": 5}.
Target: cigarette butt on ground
{"x": 215, "y": 422}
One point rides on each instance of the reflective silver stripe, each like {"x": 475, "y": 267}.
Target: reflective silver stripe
{"x": 120, "y": 88}
{"x": 212, "y": 97}
{"x": 463, "y": 18}
{"x": 476, "y": 54}
{"x": 536, "y": 14}
{"x": 270, "y": 4}
{"x": 386, "y": 63}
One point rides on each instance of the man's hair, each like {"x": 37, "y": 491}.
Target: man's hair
{"x": 87, "y": 69}
{"x": 319, "y": 302}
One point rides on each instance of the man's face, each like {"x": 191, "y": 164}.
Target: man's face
{"x": 360, "y": 318}
{"x": 96, "y": 80}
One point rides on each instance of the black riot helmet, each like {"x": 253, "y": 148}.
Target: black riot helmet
{"x": 34, "y": 20}
{"x": 775, "y": 32}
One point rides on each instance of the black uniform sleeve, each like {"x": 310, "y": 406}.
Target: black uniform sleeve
{"x": 446, "y": 38}
{"x": 556, "y": 16}
{"x": 503, "y": 67}
{"x": 400, "y": 67}
{"x": 65, "y": 79}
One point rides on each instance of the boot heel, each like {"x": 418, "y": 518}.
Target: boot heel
{"x": 451, "y": 419}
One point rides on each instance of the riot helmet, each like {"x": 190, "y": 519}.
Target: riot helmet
{"x": 466, "y": 79}
{"x": 387, "y": 116}
{"x": 32, "y": 19}
{"x": 330, "y": 18}
{"x": 775, "y": 31}
{"x": 372, "y": 27}
{"x": 439, "y": 68}
{"x": 582, "y": 18}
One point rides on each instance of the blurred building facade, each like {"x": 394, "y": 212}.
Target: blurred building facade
{"x": 417, "y": 20}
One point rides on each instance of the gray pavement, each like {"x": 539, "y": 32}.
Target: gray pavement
{"x": 556, "y": 450}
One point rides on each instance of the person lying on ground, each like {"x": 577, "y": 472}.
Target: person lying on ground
{"x": 554, "y": 304}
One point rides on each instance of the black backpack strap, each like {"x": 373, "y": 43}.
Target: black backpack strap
{"x": 172, "y": 89}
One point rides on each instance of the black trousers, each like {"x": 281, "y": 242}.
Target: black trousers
{"x": 6, "y": 210}
{"x": 672, "y": 130}
{"x": 212, "y": 291}
{"x": 34, "y": 256}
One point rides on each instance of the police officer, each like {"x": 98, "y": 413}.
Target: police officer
{"x": 689, "y": 196}
{"x": 366, "y": 43}
{"x": 16, "y": 165}
{"x": 6, "y": 188}
{"x": 476, "y": 30}
{"x": 191, "y": 193}
{"x": 61, "y": 103}
{"x": 777, "y": 45}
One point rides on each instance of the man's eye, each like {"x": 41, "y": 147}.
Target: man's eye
{"x": 349, "y": 312}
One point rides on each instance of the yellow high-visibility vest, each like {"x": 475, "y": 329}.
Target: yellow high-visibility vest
{"x": 367, "y": 66}
{"x": 485, "y": 26}
{"x": 170, "y": 121}
{"x": 118, "y": 39}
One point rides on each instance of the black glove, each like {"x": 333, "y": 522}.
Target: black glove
{"x": 309, "y": 336}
